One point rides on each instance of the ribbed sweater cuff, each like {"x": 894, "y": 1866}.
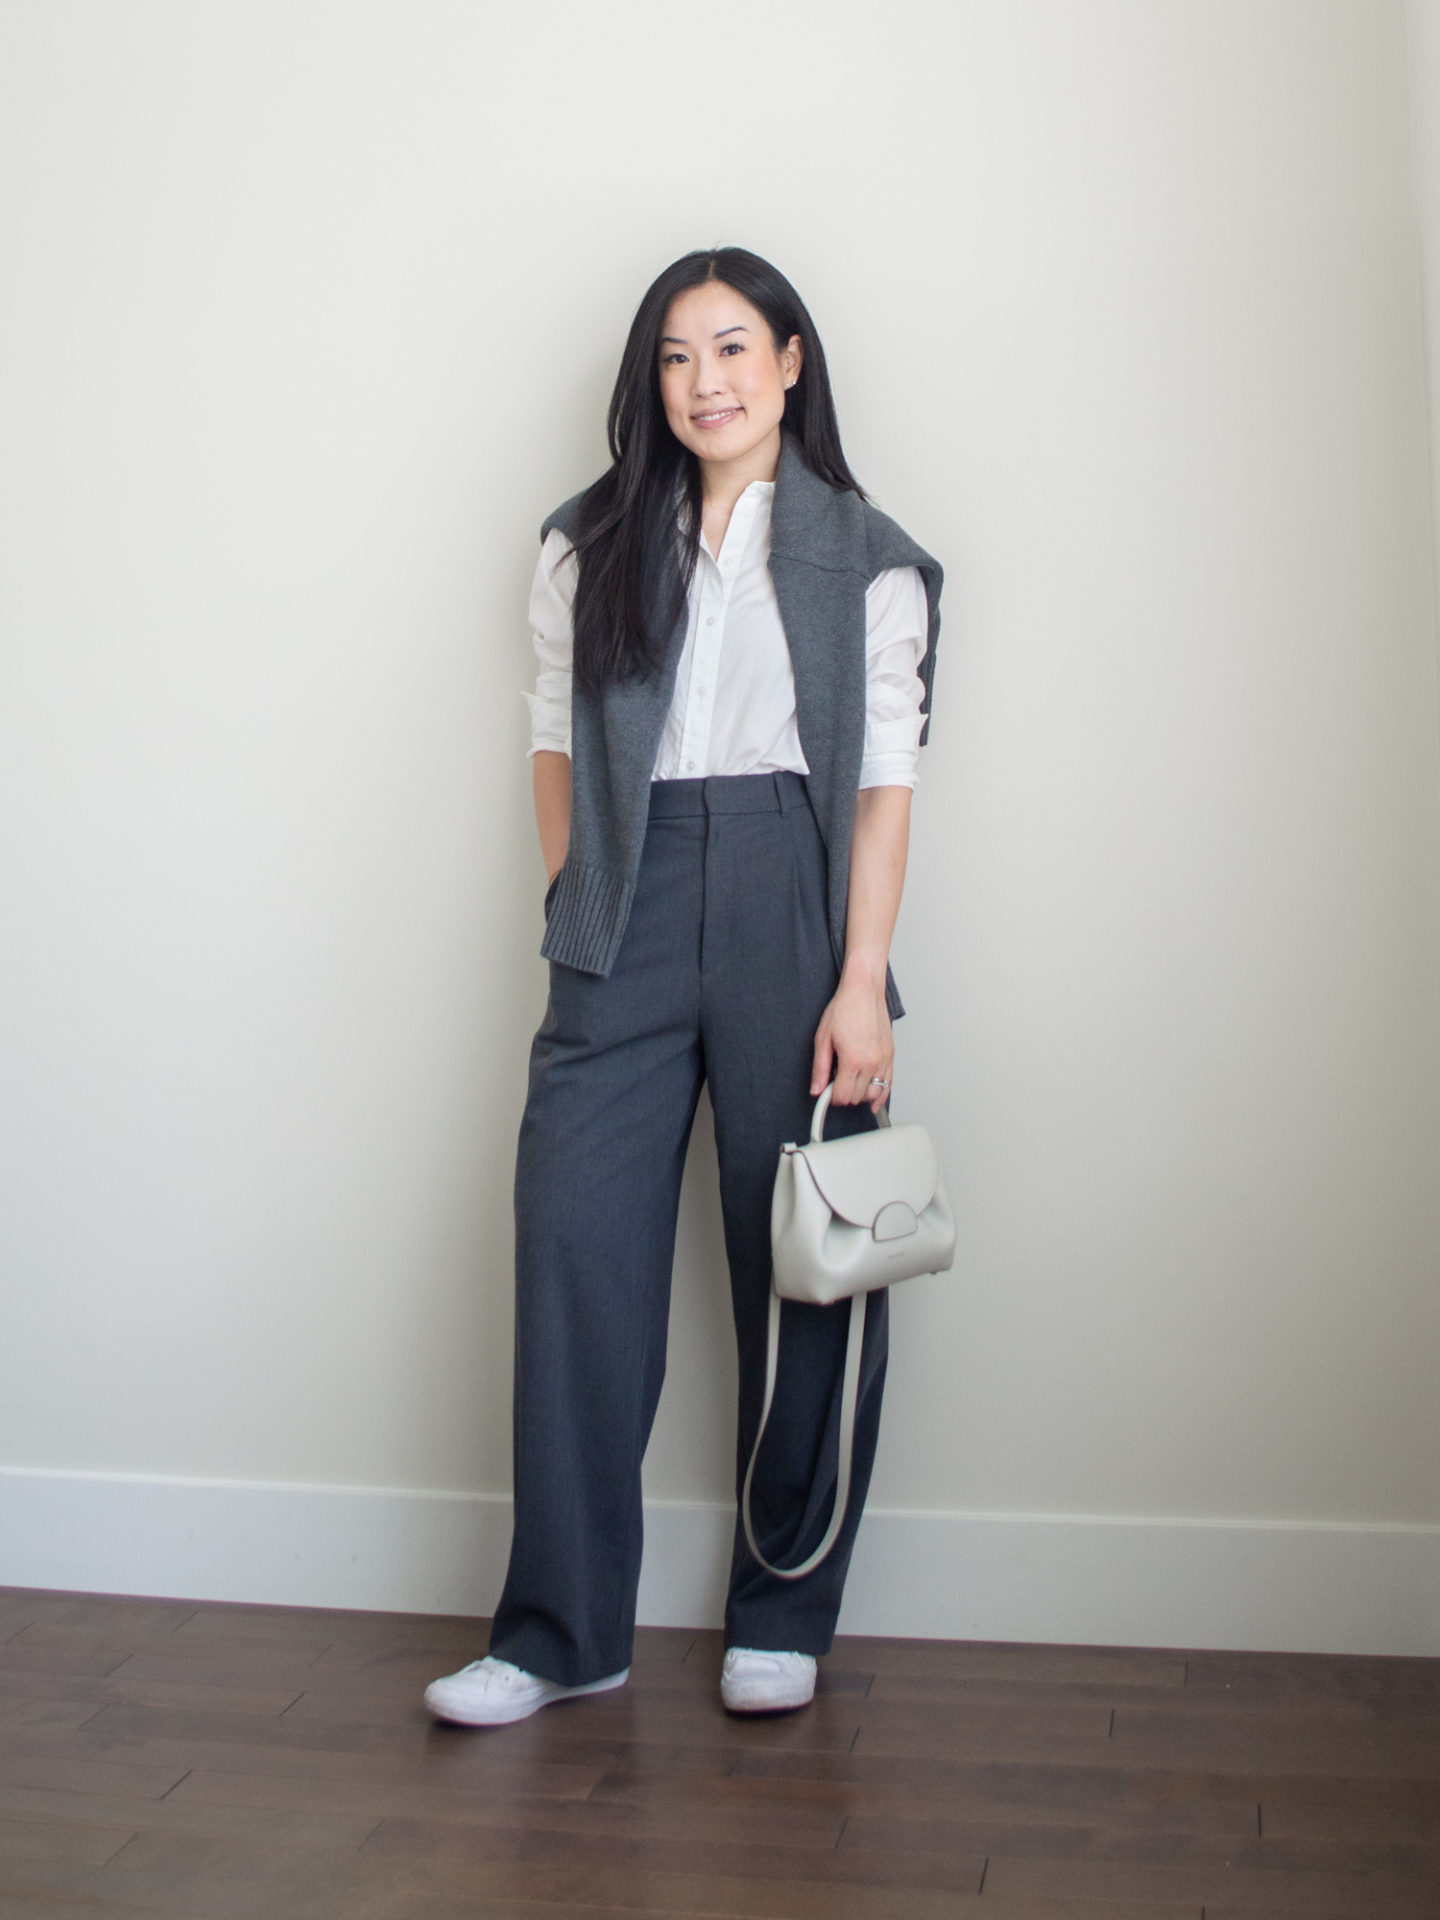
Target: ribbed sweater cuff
{"x": 587, "y": 919}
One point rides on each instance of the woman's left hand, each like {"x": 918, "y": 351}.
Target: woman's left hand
{"x": 854, "y": 1041}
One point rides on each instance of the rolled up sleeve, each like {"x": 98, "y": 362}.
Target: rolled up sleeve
{"x": 896, "y": 634}
{"x": 552, "y": 594}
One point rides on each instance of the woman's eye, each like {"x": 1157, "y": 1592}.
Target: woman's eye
{"x": 733, "y": 346}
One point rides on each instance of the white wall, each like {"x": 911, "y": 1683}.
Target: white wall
{"x": 311, "y": 315}
{"x": 1423, "y": 66}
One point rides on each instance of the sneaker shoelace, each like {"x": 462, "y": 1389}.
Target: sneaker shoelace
{"x": 494, "y": 1669}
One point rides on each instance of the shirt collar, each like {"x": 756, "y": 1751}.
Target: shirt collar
{"x": 750, "y": 510}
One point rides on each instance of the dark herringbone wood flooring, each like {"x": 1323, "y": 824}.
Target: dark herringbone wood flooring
{"x": 271, "y": 1763}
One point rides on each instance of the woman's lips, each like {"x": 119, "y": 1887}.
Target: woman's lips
{"x": 709, "y": 421}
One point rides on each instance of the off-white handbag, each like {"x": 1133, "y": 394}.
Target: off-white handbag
{"x": 848, "y": 1216}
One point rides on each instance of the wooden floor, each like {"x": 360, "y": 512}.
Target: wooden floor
{"x": 163, "y": 1758}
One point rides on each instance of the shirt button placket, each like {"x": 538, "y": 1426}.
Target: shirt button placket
{"x": 702, "y": 676}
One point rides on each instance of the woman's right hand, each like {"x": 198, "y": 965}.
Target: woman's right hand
{"x": 552, "y": 808}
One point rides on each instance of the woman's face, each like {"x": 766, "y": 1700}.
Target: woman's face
{"x": 722, "y": 382}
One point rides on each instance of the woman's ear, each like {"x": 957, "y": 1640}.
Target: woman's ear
{"x": 793, "y": 357}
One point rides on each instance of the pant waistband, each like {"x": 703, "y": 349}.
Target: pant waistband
{"x": 728, "y": 793}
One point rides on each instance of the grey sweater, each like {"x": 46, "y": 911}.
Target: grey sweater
{"x": 825, "y": 549}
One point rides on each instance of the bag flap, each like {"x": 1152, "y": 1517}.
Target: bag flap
{"x": 866, "y": 1171}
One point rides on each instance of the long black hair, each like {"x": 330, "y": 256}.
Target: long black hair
{"x": 634, "y": 573}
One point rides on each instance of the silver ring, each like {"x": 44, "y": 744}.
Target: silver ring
{"x": 876, "y": 1081}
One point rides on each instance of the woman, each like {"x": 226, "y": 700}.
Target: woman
{"x": 736, "y": 651}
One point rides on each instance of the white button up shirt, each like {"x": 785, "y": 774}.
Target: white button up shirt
{"x": 733, "y": 707}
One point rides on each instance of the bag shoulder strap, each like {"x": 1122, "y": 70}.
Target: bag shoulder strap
{"x": 849, "y": 1395}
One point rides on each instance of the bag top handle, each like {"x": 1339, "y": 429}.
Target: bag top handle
{"x": 822, "y": 1107}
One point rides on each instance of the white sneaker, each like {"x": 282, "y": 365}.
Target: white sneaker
{"x": 492, "y": 1693}
{"x": 755, "y": 1681}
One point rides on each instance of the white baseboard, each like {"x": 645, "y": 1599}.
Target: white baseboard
{"x": 1275, "y": 1585}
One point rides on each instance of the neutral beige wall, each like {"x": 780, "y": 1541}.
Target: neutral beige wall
{"x": 1423, "y": 65}
{"x": 311, "y": 312}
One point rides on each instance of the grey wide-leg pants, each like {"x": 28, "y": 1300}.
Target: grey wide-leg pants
{"x": 724, "y": 971}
